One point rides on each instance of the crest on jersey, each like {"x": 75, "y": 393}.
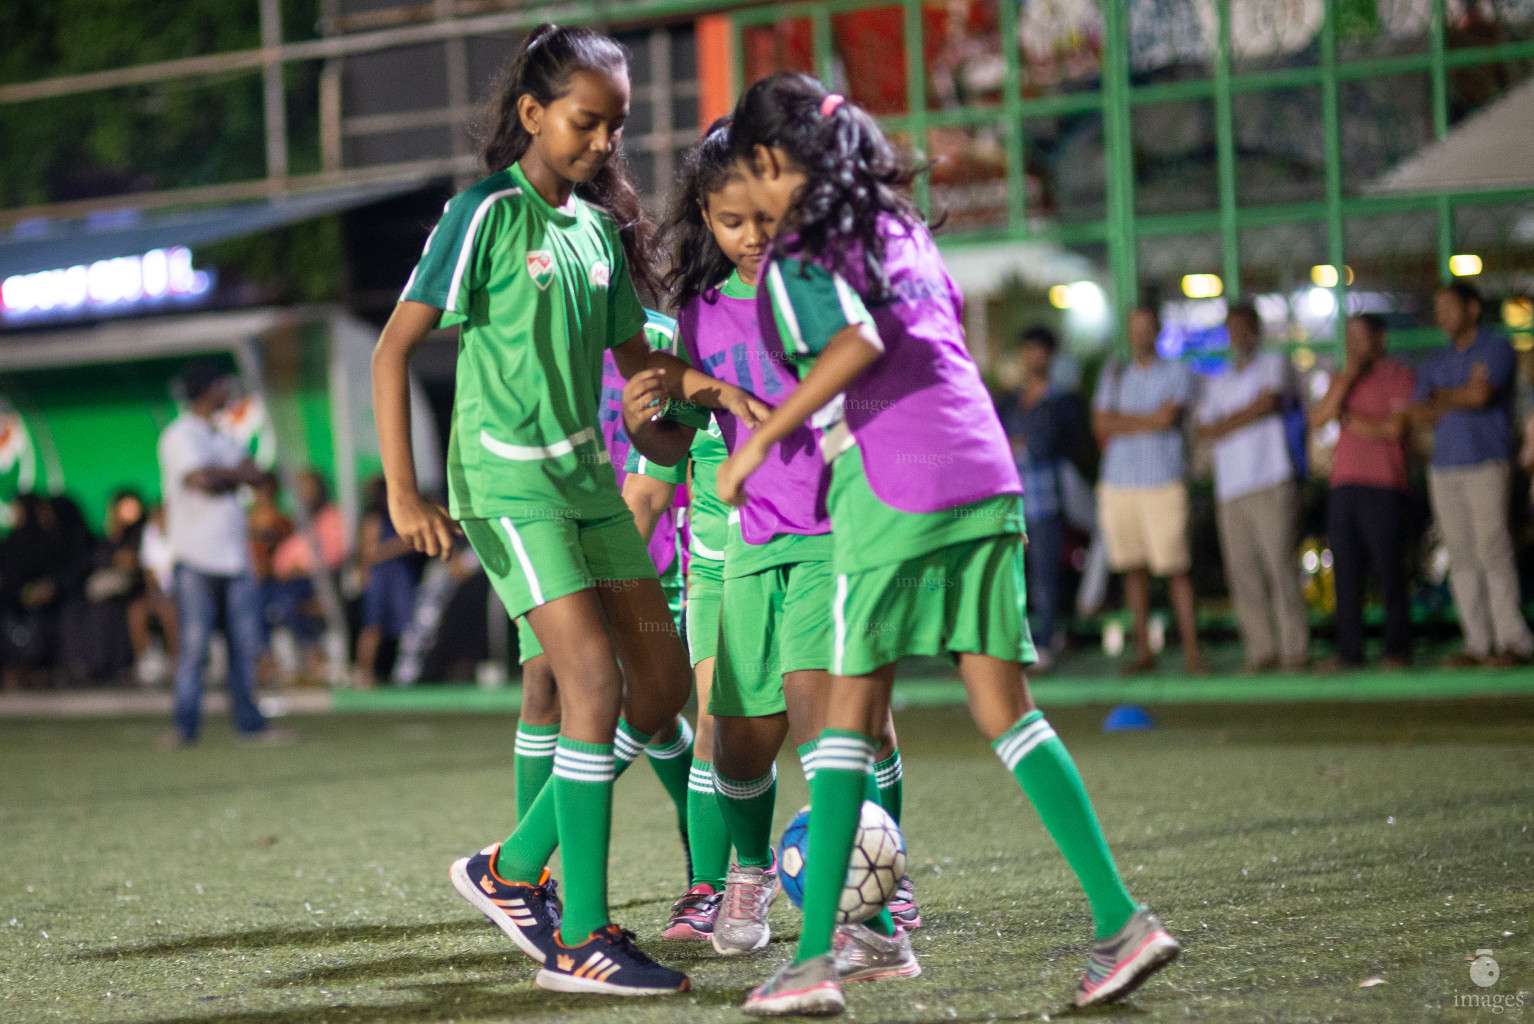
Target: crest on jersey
{"x": 540, "y": 267}
{"x": 601, "y": 274}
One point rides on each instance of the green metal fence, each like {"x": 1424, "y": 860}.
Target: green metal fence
{"x": 1339, "y": 59}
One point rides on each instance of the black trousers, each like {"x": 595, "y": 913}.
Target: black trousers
{"x": 1366, "y": 526}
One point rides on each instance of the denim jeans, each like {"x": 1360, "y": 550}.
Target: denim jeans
{"x": 1046, "y": 538}
{"x": 202, "y": 602}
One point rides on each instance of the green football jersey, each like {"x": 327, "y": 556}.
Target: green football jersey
{"x": 706, "y": 514}
{"x": 541, "y": 293}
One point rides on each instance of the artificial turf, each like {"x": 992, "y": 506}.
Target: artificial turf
{"x": 1297, "y": 850}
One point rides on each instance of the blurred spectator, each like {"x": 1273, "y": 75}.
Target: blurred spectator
{"x": 201, "y": 468}
{"x": 388, "y": 589}
{"x": 293, "y": 568}
{"x": 43, "y": 565}
{"x": 119, "y": 626}
{"x": 1465, "y": 391}
{"x": 159, "y": 564}
{"x": 1142, "y": 500}
{"x": 1366, "y": 510}
{"x": 1046, "y": 427}
{"x": 269, "y": 527}
{"x": 1258, "y": 500}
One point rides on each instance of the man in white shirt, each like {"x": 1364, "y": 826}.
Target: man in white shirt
{"x": 1258, "y": 498}
{"x": 201, "y": 469}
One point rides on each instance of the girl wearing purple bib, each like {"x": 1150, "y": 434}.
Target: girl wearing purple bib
{"x": 771, "y": 673}
{"x": 924, "y": 502}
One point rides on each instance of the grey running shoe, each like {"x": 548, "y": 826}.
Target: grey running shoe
{"x": 862, "y": 954}
{"x": 741, "y": 924}
{"x": 1121, "y": 963}
{"x": 809, "y": 989}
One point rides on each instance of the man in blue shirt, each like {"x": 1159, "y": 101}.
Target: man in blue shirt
{"x": 1046, "y": 427}
{"x": 1142, "y": 502}
{"x": 1465, "y": 392}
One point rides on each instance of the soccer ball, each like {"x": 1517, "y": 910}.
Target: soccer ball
{"x": 873, "y": 871}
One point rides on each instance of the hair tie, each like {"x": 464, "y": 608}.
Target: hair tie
{"x": 830, "y": 103}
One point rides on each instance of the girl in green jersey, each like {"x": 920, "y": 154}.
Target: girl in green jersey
{"x": 538, "y": 264}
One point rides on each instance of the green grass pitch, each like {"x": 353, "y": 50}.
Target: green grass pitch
{"x": 1298, "y": 851}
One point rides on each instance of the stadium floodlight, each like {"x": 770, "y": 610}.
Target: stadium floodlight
{"x": 1518, "y": 313}
{"x": 1060, "y": 296}
{"x": 1202, "y": 286}
{"x": 1464, "y": 265}
{"x": 1324, "y": 275}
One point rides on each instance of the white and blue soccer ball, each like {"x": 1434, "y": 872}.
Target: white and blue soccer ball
{"x": 873, "y": 871}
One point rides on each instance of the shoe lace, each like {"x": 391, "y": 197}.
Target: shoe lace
{"x": 743, "y": 900}
{"x": 549, "y": 892}
{"x": 624, "y": 944}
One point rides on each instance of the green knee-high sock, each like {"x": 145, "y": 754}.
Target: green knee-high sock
{"x": 1041, "y": 765}
{"x": 525, "y": 852}
{"x": 807, "y": 760}
{"x": 881, "y": 922}
{"x": 747, "y": 811}
{"x": 534, "y": 762}
{"x": 890, "y": 776}
{"x": 583, "y": 804}
{"x": 842, "y": 762}
{"x": 707, "y": 835}
{"x": 673, "y": 764}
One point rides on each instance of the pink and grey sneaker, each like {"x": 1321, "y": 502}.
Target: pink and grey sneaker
{"x": 741, "y": 924}
{"x": 692, "y": 916}
{"x": 862, "y": 954}
{"x": 809, "y": 989}
{"x": 902, "y": 906}
{"x": 1122, "y": 962}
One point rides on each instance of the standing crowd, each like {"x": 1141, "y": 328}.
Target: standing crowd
{"x": 1458, "y": 402}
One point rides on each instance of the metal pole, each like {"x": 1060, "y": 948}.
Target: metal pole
{"x": 1118, "y": 144}
{"x": 1331, "y": 127}
{"x": 916, "y": 97}
{"x": 825, "y": 51}
{"x": 1015, "y": 138}
{"x": 273, "y": 100}
{"x": 1225, "y": 145}
{"x": 1440, "y": 85}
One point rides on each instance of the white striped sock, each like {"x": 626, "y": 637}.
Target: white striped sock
{"x": 732, "y": 790}
{"x": 626, "y": 747}
{"x": 1020, "y": 742}
{"x": 701, "y": 779}
{"x": 531, "y": 744}
{"x": 677, "y": 747}
{"x": 844, "y": 753}
{"x": 583, "y": 766}
{"x": 808, "y": 762}
{"x": 891, "y": 773}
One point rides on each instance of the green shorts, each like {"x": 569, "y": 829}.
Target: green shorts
{"x": 533, "y": 561}
{"x": 966, "y": 597}
{"x": 705, "y": 586}
{"x": 771, "y": 622}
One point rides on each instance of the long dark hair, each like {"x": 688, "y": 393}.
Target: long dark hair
{"x": 697, "y": 262}
{"x": 549, "y": 57}
{"x": 854, "y": 174}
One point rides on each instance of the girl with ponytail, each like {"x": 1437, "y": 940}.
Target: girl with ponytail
{"x": 538, "y": 265}
{"x": 923, "y": 488}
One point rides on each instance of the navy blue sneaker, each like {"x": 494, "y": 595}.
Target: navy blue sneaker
{"x": 528, "y": 914}
{"x": 608, "y": 964}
